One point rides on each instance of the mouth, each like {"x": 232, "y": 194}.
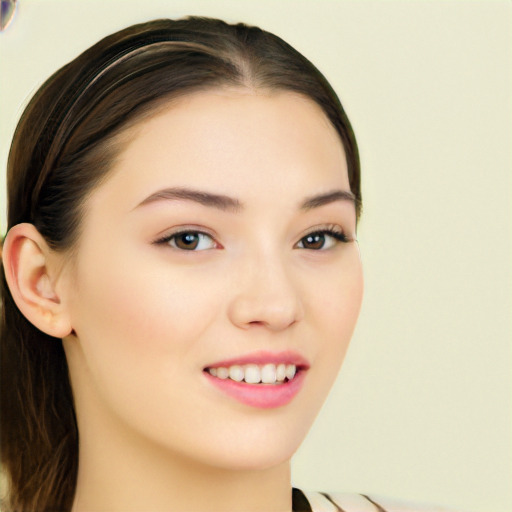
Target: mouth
{"x": 269, "y": 373}
{"x": 262, "y": 380}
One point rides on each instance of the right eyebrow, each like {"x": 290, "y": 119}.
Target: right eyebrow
{"x": 219, "y": 201}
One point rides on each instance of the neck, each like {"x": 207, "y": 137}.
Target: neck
{"x": 129, "y": 475}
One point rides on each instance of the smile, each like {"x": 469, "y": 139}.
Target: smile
{"x": 262, "y": 380}
{"x": 256, "y": 374}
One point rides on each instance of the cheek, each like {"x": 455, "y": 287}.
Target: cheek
{"x": 140, "y": 335}
{"x": 335, "y": 308}
{"x": 143, "y": 304}
{"x": 334, "y": 297}
{"x": 140, "y": 325}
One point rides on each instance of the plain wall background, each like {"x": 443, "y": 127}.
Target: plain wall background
{"x": 422, "y": 408}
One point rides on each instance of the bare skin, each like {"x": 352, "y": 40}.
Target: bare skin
{"x": 142, "y": 315}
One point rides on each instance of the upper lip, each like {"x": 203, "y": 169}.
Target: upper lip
{"x": 265, "y": 357}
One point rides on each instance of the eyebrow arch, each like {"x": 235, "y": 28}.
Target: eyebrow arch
{"x": 329, "y": 197}
{"x": 221, "y": 202}
{"x": 226, "y": 203}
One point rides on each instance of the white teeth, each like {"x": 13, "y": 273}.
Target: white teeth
{"x": 236, "y": 373}
{"x": 290, "y": 371}
{"x": 252, "y": 374}
{"x": 255, "y": 374}
{"x": 222, "y": 373}
{"x": 268, "y": 374}
{"x": 280, "y": 372}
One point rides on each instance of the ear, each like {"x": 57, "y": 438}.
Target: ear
{"x": 31, "y": 272}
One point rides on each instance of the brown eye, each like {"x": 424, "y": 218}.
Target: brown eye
{"x": 190, "y": 241}
{"x": 322, "y": 240}
{"x": 313, "y": 241}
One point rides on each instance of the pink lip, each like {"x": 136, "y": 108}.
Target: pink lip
{"x": 263, "y": 396}
{"x": 262, "y": 357}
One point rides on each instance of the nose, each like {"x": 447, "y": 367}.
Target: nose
{"x": 266, "y": 295}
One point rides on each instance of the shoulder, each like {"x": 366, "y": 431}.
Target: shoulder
{"x": 349, "y": 502}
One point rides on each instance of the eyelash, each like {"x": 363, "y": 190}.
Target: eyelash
{"x": 331, "y": 231}
{"x": 168, "y": 238}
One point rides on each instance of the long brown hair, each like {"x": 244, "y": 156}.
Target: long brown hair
{"x": 63, "y": 147}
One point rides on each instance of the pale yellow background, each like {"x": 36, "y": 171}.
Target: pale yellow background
{"x": 422, "y": 409}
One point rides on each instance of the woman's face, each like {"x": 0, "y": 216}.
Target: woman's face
{"x": 224, "y": 237}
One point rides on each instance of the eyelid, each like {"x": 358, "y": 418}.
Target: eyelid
{"x": 334, "y": 231}
{"x": 181, "y": 230}
{"x": 334, "y": 228}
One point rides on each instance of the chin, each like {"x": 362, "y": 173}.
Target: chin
{"x": 254, "y": 459}
{"x": 255, "y": 449}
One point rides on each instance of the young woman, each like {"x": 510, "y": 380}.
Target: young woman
{"x": 181, "y": 275}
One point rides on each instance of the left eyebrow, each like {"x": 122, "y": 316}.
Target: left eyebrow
{"x": 329, "y": 197}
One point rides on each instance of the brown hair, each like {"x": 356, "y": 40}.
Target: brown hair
{"x": 62, "y": 148}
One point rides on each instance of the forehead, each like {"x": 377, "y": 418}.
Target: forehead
{"x": 236, "y": 142}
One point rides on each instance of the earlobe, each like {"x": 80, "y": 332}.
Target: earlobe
{"x": 31, "y": 275}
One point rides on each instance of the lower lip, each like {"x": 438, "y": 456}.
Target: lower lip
{"x": 263, "y": 396}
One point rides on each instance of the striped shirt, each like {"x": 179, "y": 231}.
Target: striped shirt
{"x": 308, "y": 501}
